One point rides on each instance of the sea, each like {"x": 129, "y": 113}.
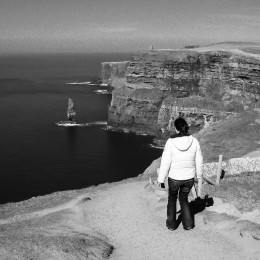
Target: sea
{"x": 37, "y": 157}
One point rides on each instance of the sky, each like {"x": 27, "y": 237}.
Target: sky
{"x": 40, "y": 26}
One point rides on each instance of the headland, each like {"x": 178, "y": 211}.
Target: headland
{"x": 126, "y": 219}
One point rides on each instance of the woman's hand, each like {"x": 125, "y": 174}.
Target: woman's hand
{"x": 156, "y": 184}
{"x": 160, "y": 185}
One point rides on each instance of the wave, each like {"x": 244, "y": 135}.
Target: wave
{"x": 80, "y": 83}
{"x": 69, "y": 124}
{"x": 156, "y": 146}
{"x": 102, "y": 92}
{"x": 87, "y": 83}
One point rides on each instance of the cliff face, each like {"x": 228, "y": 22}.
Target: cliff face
{"x": 135, "y": 110}
{"x": 204, "y": 86}
{"x": 114, "y": 73}
{"x": 218, "y": 75}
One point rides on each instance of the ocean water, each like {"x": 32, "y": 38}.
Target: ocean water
{"x": 36, "y": 156}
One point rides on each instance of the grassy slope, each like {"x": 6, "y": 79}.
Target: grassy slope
{"x": 242, "y": 191}
{"x": 233, "y": 137}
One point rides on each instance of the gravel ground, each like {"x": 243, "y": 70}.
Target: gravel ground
{"x": 124, "y": 220}
{"x": 134, "y": 220}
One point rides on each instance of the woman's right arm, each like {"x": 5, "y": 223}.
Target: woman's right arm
{"x": 199, "y": 167}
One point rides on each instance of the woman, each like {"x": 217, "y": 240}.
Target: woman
{"x": 181, "y": 161}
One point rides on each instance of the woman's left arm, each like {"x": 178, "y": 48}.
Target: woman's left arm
{"x": 165, "y": 162}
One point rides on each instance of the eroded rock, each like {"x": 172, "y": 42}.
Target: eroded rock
{"x": 204, "y": 86}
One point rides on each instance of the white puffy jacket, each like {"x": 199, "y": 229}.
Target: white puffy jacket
{"x": 181, "y": 159}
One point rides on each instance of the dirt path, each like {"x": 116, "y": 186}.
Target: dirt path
{"x": 134, "y": 221}
{"x": 121, "y": 221}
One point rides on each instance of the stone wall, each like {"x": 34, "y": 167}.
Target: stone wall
{"x": 233, "y": 166}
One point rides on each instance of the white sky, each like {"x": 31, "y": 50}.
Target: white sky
{"x": 123, "y": 25}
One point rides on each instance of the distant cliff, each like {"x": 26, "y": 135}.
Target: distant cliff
{"x": 203, "y": 84}
{"x": 114, "y": 73}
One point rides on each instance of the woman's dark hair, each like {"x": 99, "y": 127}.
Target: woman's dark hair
{"x": 182, "y": 126}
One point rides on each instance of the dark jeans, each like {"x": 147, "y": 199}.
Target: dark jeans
{"x": 182, "y": 188}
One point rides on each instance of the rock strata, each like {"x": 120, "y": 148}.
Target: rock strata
{"x": 135, "y": 110}
{"x": 202, "y": 85}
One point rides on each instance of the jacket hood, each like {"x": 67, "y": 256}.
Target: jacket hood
{"x": 183, "y": 143}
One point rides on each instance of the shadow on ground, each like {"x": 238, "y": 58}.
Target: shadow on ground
{"x": 198, "y": 205}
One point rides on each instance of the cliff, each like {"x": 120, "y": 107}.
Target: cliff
{"x": 114, "y": 73}
{"x": 202, "y": 84}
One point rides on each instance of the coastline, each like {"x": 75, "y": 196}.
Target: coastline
{"x": 126, "y": 220}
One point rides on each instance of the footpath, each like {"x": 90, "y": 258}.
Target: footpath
{"x": 124, "y": 220}
{"x": 134, "y": 219}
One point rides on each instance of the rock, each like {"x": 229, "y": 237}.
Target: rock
{"x": 43, "y": 238}
{"x": 224, "y": 222}
{"x": 201, "y": 84}
{"x": 85, "y": 199}
{"x": 249, "y": 229}
{"x": 225, "y": 208}
{"x": 219, "y": 221}
{"x": 253, "y": 216}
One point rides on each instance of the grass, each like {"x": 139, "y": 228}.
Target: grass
{"x": 233, "y": 137}
{"x": 241, "y": 190}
